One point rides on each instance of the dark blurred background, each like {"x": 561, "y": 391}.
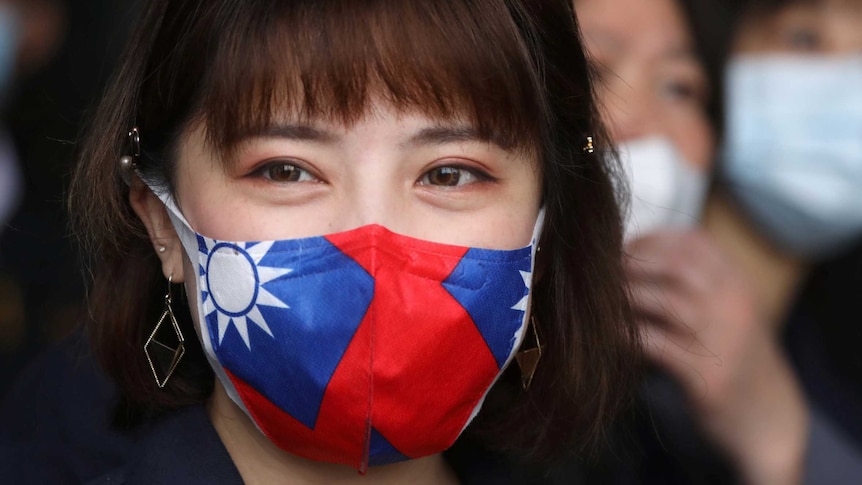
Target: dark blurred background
{"x": 64, "y": 54}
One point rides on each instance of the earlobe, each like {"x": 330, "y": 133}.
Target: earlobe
{"x": 163, "y": 236}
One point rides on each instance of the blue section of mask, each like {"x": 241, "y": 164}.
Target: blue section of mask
{"x": 312, "y": 334}
{"x": 488, "y": 284}
{"x": 381, "y": 452}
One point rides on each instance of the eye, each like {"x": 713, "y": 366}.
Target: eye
{"x": 281, "y": 171}
{"x": 449, "y": 176}
{"x": 803, "y": 39}
{"x": 683, "y": 91}
{"x": 679, "y": 90}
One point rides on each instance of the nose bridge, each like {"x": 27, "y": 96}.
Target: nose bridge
{"x": 371, "y": 194}
{"x": 370, "y": 205}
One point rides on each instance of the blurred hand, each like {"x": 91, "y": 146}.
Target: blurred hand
{"x": 701, "y": 322}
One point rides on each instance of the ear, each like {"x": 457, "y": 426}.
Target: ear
{"x": 154, "y": 215}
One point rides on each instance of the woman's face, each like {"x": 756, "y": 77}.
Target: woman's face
{"x": 421, "y": 177}
{"x": 653, "y": 83}
{"x": 813, "y": 27}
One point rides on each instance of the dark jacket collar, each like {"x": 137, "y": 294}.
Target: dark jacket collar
{"x": 182, "y": 448}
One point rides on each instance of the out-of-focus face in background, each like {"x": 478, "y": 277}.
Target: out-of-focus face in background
{"x": 653, "y": 93}
{"x": 804, "y": 27}
{"x": 653, "y": 84}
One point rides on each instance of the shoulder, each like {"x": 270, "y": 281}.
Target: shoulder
{"x": 182, "y": 448}
{"x": 473, "y": 464}
{"x": 57, "y": 416}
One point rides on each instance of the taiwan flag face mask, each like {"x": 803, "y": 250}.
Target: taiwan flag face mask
{"x": 364, "y": 347}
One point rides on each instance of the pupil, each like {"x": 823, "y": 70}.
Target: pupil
{"x": 284, "y": 173}
{"x": 446, "y": 176}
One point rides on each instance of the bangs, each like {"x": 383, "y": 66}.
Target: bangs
{"x": 332, "y": 59}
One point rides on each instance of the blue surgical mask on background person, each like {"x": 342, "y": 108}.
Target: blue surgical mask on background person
{"x": 793, "y": 148}
{"x": 667, "y": 192}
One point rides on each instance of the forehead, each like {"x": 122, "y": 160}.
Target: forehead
{"x": 656, "y": 27}
{"x": 802, "y": 26}
{"x": 771, "y": 10}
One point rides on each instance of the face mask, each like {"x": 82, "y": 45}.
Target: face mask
{"x": 793, "y": 153}
{"x": 361, "y": 348}
{"x": 666, "y": 191}
{"x": 8, "y": 45}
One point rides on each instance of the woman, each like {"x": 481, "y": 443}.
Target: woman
{"x": 700, "y": 310}
{"x": 778, "y": 211}
{"x": 788, "y": 202}
{"x": 445, "y": 152}
{"x": 654, "y": 94}
{"x": 695, "y": 308}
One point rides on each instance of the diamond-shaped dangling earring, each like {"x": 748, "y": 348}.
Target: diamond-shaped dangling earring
{"x": 166, "y": 345}
{"x": 530, "y": 354}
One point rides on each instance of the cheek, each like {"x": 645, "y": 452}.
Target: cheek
{"x": 511, "y": 227}
{"x": 506, "y": 221}
{"x": 694, "y": 137}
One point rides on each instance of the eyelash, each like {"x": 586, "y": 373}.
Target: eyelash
{"x": 264, "y": 171}
{"x": 685, "y": 91}
{"x": 478, "y": 175}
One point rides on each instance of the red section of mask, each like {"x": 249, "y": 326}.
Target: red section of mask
{"x": 415, "y": 340}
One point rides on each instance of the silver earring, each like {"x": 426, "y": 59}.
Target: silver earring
{"x": 162, "y": 249}
{"x": 129, "y": 163}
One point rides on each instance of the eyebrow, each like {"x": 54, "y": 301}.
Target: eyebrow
{"x": 437, "y": 135}
{"x": 440, "y": 135}
{"x": 682, "y": 53}
{"x": 605, "y": 40}
{"x": 298, "y": 132}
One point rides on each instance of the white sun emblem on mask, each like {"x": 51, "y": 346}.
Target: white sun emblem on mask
{"x": 233, "y": 286}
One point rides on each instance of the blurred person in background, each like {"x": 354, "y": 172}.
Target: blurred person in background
{"x": 30, "y": 32}
{"x": 76, "y": 43}
{"x": 788, "y": 206}
{"x": 56, "y": 55}
{"x": 702, "y": 313}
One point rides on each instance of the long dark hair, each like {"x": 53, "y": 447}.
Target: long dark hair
{"x": 515, "y": 68}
